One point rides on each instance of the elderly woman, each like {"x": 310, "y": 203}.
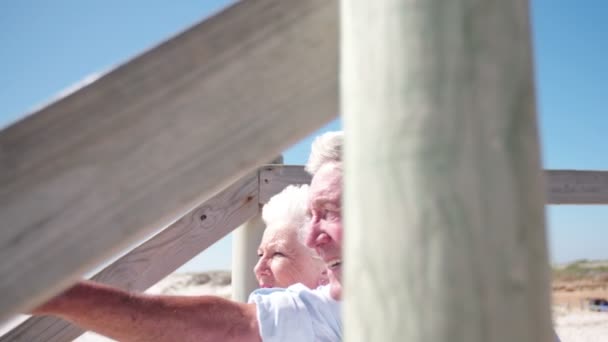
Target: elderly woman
{"x": 283, "y": 258}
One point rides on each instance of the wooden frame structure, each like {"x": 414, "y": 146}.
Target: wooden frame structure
{"x": 185, "y": 123}
{"x": 154, "y": 259}
{"x": 146, "y": 143}
{"x": 151, "y": 261}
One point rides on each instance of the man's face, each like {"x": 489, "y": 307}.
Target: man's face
{"x": 325, "y": 232}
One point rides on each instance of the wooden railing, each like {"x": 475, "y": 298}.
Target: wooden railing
{"x": 151, "y": 261}
{"x": 148, "y": 142}
{"x": 141, "y": 146}
{"x": 579, "y": 187}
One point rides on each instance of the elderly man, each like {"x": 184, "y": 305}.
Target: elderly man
{"x": 325, "y": 231}
{"x": 296, "y": 313}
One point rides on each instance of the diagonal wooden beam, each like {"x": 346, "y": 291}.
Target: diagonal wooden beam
{"x": 151, "y": 261}
{"x": 141, "y": 146}
{"x": 562, "y": 186}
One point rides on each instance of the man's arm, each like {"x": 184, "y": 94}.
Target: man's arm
{"x": 127, "y": 317}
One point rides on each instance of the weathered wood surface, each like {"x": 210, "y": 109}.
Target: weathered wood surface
{"x": 562, "y": 186}
{"x": 577, "y": 187}
{"x": 141, "y": 146}
{"x": 150, "y": 262}
{"x": 245, "y": 242}
{"x": 443, "y": 183}
{"x": 275, "y": 178}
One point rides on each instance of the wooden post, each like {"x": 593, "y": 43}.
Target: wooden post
{"x": 443, "y": 188}
{"x": 245, "y": 242}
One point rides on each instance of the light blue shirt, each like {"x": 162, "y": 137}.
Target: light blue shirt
{"x": 297, "y": 314}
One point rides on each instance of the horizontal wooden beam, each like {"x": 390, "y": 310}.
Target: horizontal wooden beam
{"x": 274, "y": 178}
{"x": 153, "y": 260}
{"x": 562, "y": 186}
{"x": 577, "y": 187}
{"x": 138, "y": 148}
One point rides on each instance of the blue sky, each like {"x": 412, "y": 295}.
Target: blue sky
{"x": 48, "y": 46}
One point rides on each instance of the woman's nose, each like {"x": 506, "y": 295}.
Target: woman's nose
{"x": 260, "y": 267}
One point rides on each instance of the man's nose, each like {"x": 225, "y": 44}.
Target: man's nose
{"x": 316, "y": 237}
{"x": 311, "y": 237}
{"x": 322, "y": 239}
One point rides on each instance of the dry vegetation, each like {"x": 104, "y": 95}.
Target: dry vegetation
{"x": 574, "y": 283}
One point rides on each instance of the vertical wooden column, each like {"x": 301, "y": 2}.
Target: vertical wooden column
{"x": 245, "y": 242}
{"x": 444, "y": 209}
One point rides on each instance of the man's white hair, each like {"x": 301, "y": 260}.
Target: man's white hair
{"x": 325, "y": 148}
{"x": 288, "y": 207}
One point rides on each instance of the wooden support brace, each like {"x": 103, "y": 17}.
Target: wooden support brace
{"x": 141, "y": 146}
{"x": 150, "y": 262}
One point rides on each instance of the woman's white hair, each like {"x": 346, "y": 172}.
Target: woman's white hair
{"x": 325, "y": 148}
{"x": 289, "y": 207}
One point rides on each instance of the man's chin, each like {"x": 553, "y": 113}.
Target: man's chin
{"x": 335, "y": 284}
{"x": 335, "y": 290}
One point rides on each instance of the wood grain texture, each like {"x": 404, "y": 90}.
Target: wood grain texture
{"x": 443, "y": 196}
{"x": 562, "y": 186}
{"x": 275, "y": 178}
{"x": 577, "y": 187}
{"x": 245, "y": 242}
{"x": 150, "y": 262}
{"x": 141, "y": 146}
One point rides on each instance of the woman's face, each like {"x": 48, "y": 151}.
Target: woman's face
{"x": 284, "y": 260}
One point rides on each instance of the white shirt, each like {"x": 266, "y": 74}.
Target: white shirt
{"x": 297, "y": 313}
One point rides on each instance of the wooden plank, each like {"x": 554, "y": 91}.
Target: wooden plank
{"x": 443, "y": 191}
{"x": 141, "y": 146}
{"x": 562, "y": 186}
{"x": 577, "y": 187}
{"x": 150, "y": 262}
{"x": 245, "y": 242}
{"x": 275, "y": 178}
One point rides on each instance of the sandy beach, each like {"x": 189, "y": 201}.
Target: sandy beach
{"x": 576, "y": 325}
{"x": 572, "y": 287}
